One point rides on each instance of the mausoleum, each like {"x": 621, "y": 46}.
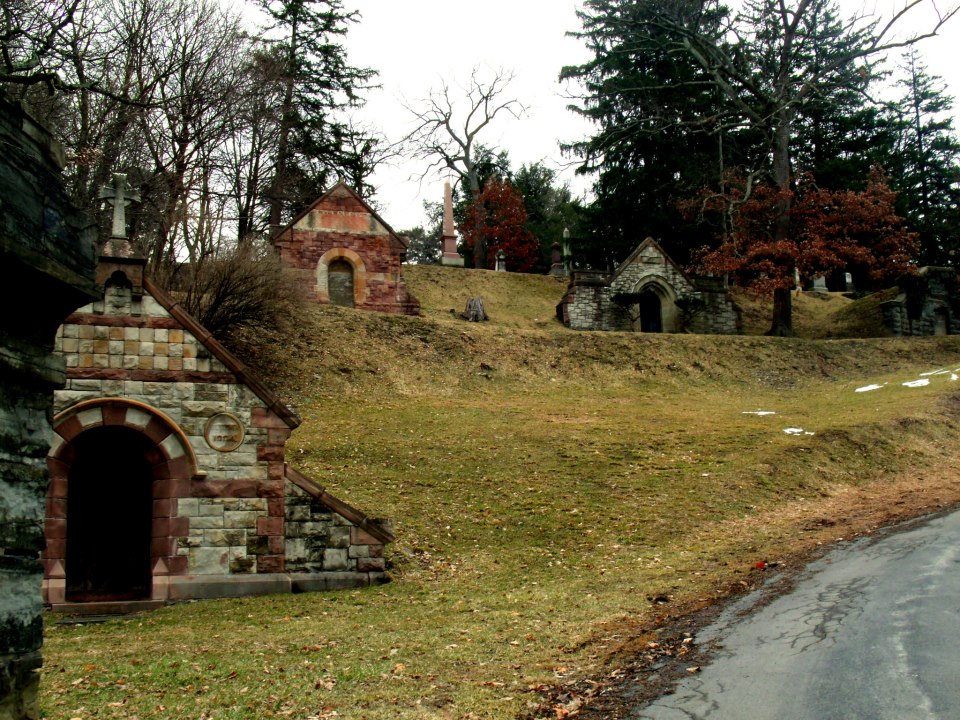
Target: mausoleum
{"x": 928, "y": 304}
{"x": 168, "y": 478}
{"x": 345, "y": 254}
{"x": 648, "y": 292}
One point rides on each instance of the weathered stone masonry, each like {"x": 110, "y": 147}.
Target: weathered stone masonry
{"x": 345, "y": 254}
{"x": 46, "y": 271}
{"x": 650, "y": 293}
{"x": 226, "y": 518}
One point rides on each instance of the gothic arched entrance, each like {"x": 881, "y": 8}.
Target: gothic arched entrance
{"x": 651, "y": 312}
{"x": 109, "y": 511}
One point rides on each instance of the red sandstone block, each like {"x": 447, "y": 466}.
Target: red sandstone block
{"x": 56, "y": 507}
{"x": 272, "y": 453}
{"x": 225, "y": 488}
{"x": 179, "y": 468}
{"x": 270, "y": 526}
{"x": 69, "y": 428}
{"x": 264, "y": 418}
{"x": 160, "y": 527}
{"x": 56, "y": 549}
{"x": 177, "y": 565}
{"x": 162, "y": 508}
{"x": 275, "y": 507}
{"x": 278, "y": 436}
{"x": 114, "y": 414}
{"x": 161, "y": 547}
{"x": 362, "y": 537}
{"x": 276, "y": 544}
{"x": 270, "y": 563}
{"x": 58, "y": 469}
{"x": 55, "y": 529}
{"x": 163, "y": 488}
{"x": 180, "y": 487}
{"x": 179, "y": 526}
{"x": 156, "y": 430}
{"x": 271, "y": 489}
{"x": 370, "y": 565}
{"x": 157, "y": 459}
{"x": 276, "y": 471}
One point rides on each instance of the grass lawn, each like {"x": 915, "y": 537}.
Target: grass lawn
{"x": 554, "y": 494}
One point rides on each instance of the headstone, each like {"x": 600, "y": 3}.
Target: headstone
{"x": 820, "y": 284}
{"x": 450, "y": 256}
{"x": 556, "y": 261}
{"x": 848, "y": 281}
{"x": 501, "y": 261}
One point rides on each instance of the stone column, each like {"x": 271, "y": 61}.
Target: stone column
{"x": 46, "y": 272}
{"x": 501, "y": 261}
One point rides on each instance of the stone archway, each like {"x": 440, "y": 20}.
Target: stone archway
{"x": 332, "y": 278}
{"x": 340, "y": 283}
{"x": 656, "y": 309}
{"x": 117, "y": 468}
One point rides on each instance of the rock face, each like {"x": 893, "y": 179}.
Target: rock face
{"x": 46, "y": 271}
{"x": 648, "y": 292}
{"x": 345, "y": 254}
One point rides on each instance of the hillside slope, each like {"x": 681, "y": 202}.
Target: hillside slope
{"x": 556, "y": 496}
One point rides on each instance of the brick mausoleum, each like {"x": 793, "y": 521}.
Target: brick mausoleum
{"x": 648, "y": 292}
{"x": 168, "y": 478}
{"x": 345, "y": 254}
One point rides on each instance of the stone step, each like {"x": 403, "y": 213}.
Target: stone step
{"x": 105, "y": 608}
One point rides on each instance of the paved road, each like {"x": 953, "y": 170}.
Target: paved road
{"x": 871, "y": 632}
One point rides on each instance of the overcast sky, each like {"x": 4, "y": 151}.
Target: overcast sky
{"x": 415, "y": 45}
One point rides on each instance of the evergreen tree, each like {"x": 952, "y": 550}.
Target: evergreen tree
{"x": 313, "y": 141}
{"x": 926, "y": 165}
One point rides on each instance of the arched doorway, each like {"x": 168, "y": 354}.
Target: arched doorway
{"x": 340, "y": 283}
{"x": 110, "y": 515}
{"x": 651, "y": 312}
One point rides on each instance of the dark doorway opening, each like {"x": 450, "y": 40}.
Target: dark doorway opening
{"x": 109, "y": 516}
{"x": 340, "y": 283}
{"x": 651, "y": 318}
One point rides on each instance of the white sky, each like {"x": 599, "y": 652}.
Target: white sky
{"x": 417, "y": 44}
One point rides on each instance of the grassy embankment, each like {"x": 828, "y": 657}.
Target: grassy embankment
{"x": 545, "y": 485}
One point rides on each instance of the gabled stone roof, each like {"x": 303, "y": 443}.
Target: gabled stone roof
{"x": 243, "y": 373}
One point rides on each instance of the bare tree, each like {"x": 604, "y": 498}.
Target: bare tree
{"x": 449, "y": 123}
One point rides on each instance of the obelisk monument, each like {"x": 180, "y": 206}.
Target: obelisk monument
{"x": 450, "y": 255}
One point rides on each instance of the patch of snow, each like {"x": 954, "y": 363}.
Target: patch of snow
{"x": 868, "y": 388}
{"x": 916, "y": 383}
{"x": 954, "y": 376}
{"x": 933, "y": 372}
{"x": 758, "y": 412}
{"x": 793, "y": 431}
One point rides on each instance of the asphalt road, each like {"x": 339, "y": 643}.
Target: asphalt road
{"x": 871, "y": 631}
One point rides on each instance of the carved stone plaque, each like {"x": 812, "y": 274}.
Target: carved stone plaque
{"x": 224, "y": 432}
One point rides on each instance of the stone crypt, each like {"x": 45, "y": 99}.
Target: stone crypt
{"x": 168, "y": 478}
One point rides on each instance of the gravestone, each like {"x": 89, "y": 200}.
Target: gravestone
{"x": 501, "y": 261}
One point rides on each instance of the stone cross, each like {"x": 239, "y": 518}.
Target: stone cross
{"x": 119, "y": 195}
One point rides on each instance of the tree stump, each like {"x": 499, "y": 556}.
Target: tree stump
{"x": 475, "y": 311}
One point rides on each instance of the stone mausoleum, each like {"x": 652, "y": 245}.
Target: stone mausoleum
{"x": 345, "y": 254}
{"x": 928, "y": 304}
{"x": 168, "y": 478}
{"x": 648, "y": 292}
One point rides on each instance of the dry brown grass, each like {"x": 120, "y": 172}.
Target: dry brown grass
{"x": 545, "y": 484}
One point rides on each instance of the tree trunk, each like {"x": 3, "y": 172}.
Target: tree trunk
{"x": 782, "y": 323}
{"x": 782, "y": 313}
{"x": 475, "y": 311}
